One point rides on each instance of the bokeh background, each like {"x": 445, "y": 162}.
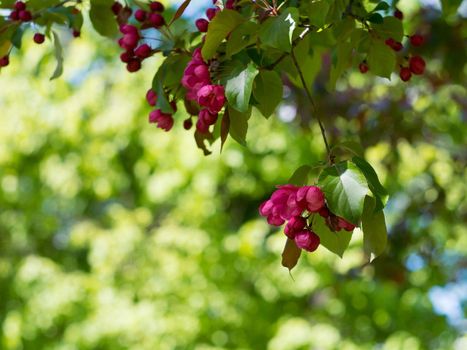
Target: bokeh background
{"x": 116, "y": 235}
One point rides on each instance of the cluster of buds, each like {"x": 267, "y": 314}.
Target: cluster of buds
{"x": 135, "y": 52}
{"x": 293, "y": 204}
{"x": 20, "y": 13}
{"x": 415, "y": 64}
{"x": 202, "y": 23}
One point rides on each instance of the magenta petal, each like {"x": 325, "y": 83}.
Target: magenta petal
{"x": 266, "y": 207}
{"x": 275, "y": 220}
{"x": 301, "y": 193}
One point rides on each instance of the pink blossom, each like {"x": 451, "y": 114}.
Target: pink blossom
{"x": 207, "y": 117}
{"x": 201, "y": 126}
{"x": 307, "y": 240}
{"x": 344, "y": 224}
{"x": 195, "y": 76}
{"x": 212, "y": 97}
{"x": 143, "y": 51}
{"x": 276, "y": 209}
{"x": 151, "y": 97}
{"x": 164, "y": 121}
{"x": 202, "y": 25}
{"x": 295, "y": 224}
{"x": 129, "y": 41}
{"x": 310, "y": 198}
{"x": 230, "y": 4}
{"x": 212, "y": 12}
{"x": 128, "y": 29}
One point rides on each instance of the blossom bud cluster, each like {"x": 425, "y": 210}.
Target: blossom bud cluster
{"x": 197, "y": 80}
{"x": 290, "y": 203}
{"x": 135, "y": 53}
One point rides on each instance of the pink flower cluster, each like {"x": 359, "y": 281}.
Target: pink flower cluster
{"x": 165, "y": 121}
{"x": 289, "y": 203}
{"x": 197, "y": 80}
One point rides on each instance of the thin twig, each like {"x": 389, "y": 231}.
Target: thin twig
{"x": 310, "y": 98}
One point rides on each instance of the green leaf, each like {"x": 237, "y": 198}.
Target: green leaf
{"x": 290, "y": 254}
{"x": 375, "y": 18}
{"x": 450, "y": 7}
{"x": 317, "y": 12}
{"x": 102, "y": 19}
{"x": 225, "y": 127}
{"x": 238, "y": 125}
{"x": 17, "y": 37}
{"x": 342, "y": 60}
{"x": 167, "y": 79}
{"x": 222, "y": 24}
{"x": 158, "y": 87}
{"x": 239, "y": 86}
{"x": 335, "y": 242}
{"x": 5, "y": 48}
{"x": 323, "y": 38}
{"x": 344, "y": 29}
{"x": 336, "y": 10}
{"x": 345, "y": 188}
{"x": 381, "y": 59}
{"x": 351, "y": 146}
{"x": 58, "y": 51}
{"x": 382, "y": 6}
{"x": 375, "y": 234}
{"x": 391, "y": 27}
{"x": 268, "y": 91}
{"x": 373, "y": 182}
{"x": 41, "y": 4}
{"x": 300, "y": 176}
{"x": 277, "y": 31}
{"x": 242, "y": 36}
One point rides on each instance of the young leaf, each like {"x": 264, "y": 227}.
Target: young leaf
{"x": 221, "y": 25}
{"x": 239, "y": 86}
{"x": 374, "y": 228}
{"x": 373, "y": 182}
{"x": 277, "y": 31}
{"x": 345, "y": 188}
{"x": 58, "y": 51}
{"x": 335, "y": 242}
{"x": 181, "y": 9}
{"x": 268, "y": 91}
{"x": 290, "y": 254}
{"x": 300, "y": 176}
{"x": 238, "y": 125}
{"x": 381, "y": 59}
{"x": 102, "y": 18}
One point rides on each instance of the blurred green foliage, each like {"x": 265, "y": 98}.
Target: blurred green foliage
{"x": 116, "y": 235}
